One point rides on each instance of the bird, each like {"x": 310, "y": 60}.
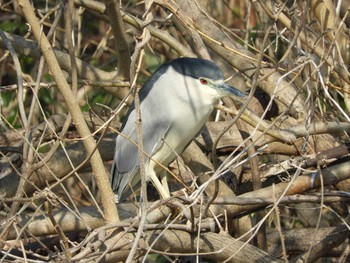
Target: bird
{"x": 175, "y": 103}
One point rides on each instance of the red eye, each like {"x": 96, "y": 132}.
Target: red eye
{"x": 203, "y": 81}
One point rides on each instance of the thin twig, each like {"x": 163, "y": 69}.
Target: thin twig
{"x": 138, "y": 54}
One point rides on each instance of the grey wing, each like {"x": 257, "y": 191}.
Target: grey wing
{"x": 155, "y": 125}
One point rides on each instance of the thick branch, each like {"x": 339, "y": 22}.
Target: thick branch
{"x": 98, "y": 168}
{"x": 114, "y": 13}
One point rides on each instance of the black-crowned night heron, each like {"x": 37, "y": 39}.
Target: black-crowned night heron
{"x": 175, "y": 104}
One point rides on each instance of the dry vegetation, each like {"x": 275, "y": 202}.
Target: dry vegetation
{"x": 271, "y": 186}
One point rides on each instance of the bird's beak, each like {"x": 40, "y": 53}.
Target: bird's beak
{"x": 225, "y": 88}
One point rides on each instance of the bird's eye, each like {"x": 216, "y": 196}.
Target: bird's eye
{"x": 203, "y": 81}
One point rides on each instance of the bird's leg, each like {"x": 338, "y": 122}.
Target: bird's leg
{"x": 162, "y": 189}
{"x": 164, "y": 180}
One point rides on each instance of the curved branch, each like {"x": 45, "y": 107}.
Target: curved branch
{"x": 85, "y": 70}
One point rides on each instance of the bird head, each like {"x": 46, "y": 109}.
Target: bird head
{"x": 206, "y": 77}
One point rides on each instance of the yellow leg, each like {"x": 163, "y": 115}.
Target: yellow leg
{"x": 164, "y": 181}
{"x": 162, "y": 188}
